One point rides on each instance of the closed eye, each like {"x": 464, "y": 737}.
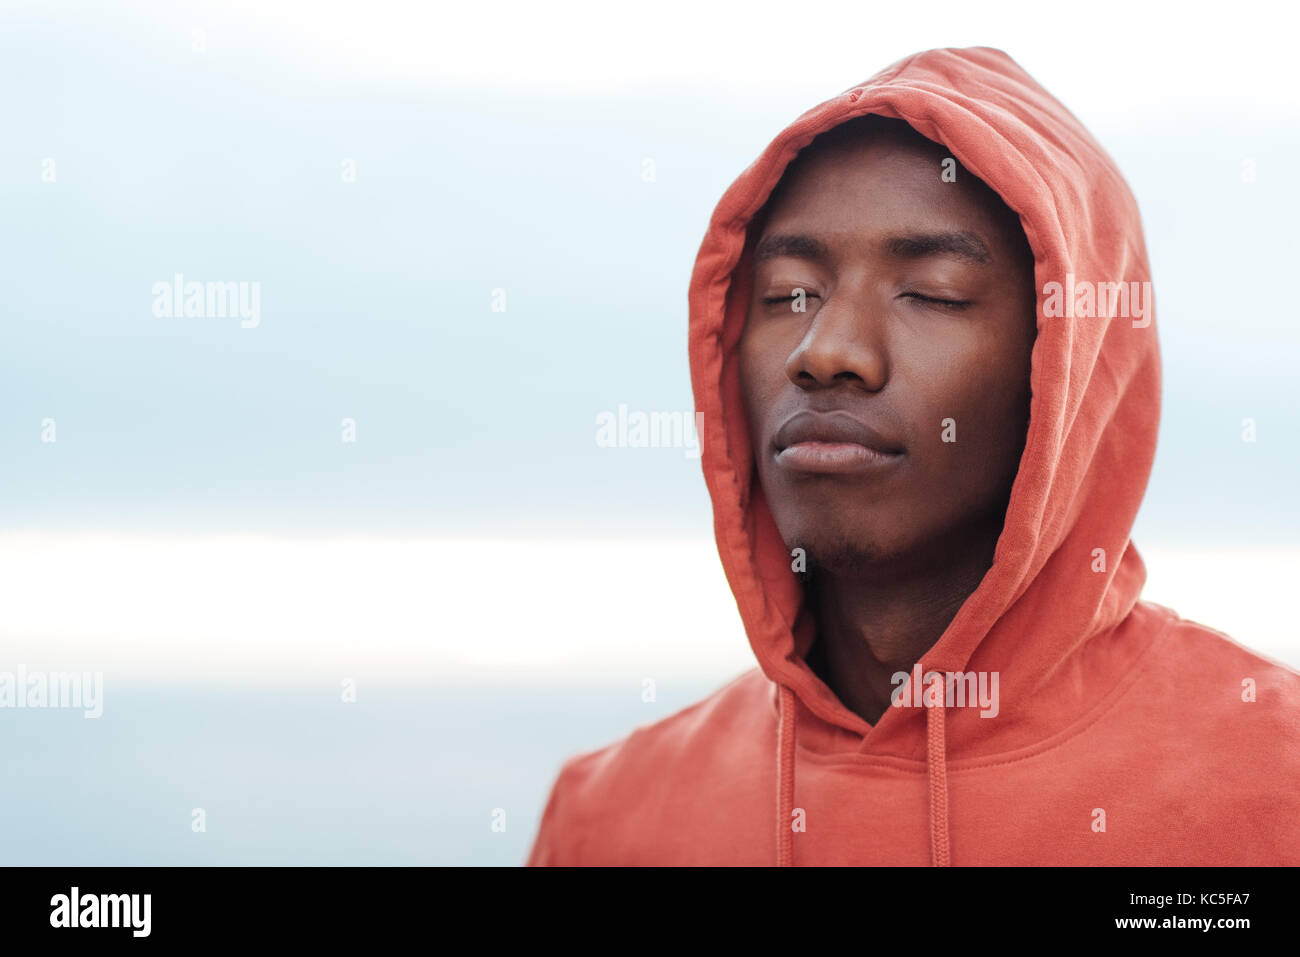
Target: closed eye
{"x": 935, "y": 301}
{"x": 773, "y": 300}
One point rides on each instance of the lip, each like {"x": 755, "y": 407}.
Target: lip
{"x": 832, "y": 443}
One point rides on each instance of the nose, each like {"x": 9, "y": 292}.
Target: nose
{"x": 844, "y": 344}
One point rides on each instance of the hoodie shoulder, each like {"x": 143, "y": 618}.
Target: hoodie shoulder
{"x": 608, "y": 806}
{"x": 1223, "y": 729}
{"x": 1218, "y": 663}
{"x": 1224, "y": 699}
{"x": 1217, "y": 685}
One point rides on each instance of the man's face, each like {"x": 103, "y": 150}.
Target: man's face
{"x": 919, "y": 323}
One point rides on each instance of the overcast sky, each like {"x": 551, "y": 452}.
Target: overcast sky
{"x": 503, "y": 149}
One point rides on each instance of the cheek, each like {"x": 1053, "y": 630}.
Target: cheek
{"x": 762, "y": 366}
{"x": 751, "y": 383}
{"x": 984, "y": 394}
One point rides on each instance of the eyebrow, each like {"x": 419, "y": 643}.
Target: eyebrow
{"x": 960, "y": 244}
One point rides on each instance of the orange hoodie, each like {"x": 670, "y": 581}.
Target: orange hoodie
{"x": 1124, "y": 734}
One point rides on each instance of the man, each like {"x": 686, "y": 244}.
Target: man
{"x": 922, "y": 343}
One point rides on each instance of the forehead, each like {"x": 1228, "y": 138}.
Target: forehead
{"x": 885, "y": 184}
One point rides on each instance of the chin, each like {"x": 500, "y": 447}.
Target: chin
{"x": 839, "y": 550}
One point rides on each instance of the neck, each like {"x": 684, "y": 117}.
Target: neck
{"x": 878, "y": 621}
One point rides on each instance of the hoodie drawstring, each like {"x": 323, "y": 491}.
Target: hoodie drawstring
{"x": 785, "y": 780}
{"x": 936, "y": 761}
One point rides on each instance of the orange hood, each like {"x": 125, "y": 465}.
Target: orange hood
{"x": 1088, "y": 453}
